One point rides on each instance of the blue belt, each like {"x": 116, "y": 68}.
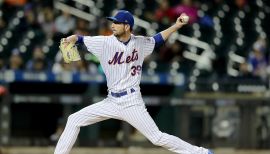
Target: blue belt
{"x": 120, "y": 94}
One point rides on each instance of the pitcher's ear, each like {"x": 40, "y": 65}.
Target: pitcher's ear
{"x": 127, "y": 27}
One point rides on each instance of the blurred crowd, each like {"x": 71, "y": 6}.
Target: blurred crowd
{"x": 55, "y": 24}
{"x": 257, "y": 62}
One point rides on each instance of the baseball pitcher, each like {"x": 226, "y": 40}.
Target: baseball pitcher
{"x": 121, "y": 56}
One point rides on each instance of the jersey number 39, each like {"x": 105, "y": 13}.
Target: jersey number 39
{"x": 136, "y": 70}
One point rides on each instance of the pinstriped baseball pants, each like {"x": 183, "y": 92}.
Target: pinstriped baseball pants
{"x": 129, "y": 108}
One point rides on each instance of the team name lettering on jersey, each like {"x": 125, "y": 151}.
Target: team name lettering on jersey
{"x": 117, "y": 58}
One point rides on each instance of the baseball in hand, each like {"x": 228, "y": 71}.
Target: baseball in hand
{"x": 185, "y": 19}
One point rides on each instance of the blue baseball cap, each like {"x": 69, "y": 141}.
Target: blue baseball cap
{"x": 123, "y": 16}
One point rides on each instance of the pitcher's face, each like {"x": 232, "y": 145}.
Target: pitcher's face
{"x": 119, "y": 29}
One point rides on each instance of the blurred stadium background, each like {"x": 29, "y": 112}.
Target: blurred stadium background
{"x": 209, "y": 84}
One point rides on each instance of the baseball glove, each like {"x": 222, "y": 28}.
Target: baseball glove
{"x": 69, "y": 51}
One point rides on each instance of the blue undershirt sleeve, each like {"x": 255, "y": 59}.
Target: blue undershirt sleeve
{"x": 158, "y": 40}
{"x": 80, "y": 39}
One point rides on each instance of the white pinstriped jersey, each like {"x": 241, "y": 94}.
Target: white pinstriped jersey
{"x": 122, "y": 64}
